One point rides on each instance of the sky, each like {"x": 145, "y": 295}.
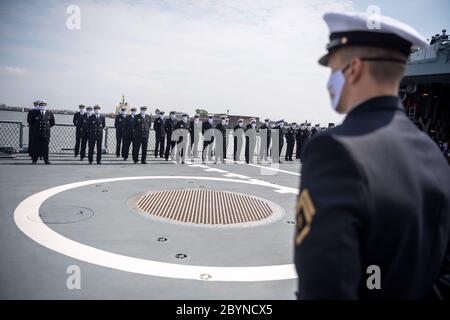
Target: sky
{"x": 251, "y": 57}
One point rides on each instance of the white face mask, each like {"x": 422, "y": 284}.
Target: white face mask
{"x": 82, "y": 111}
{"x": 224, "y": 122}
{"x": 335, "y": 87}
{"x": 240, "y": 124}
{"x": 161, "y": 116}
{"x": 281, "y": 125}
{"x": 185, "y": 119}
{"x": 123, "y": 112}
{"x": 196, "y": 120}
{"x": 253, "y": 125}
{"x": 143, "y": 113}
{"x": 97, "y": 111}
{"x": 172, "y": 116}
{"x": 133, "y": 113}
{"x": 43, "y": 108}
{"x": 210, "y": 120}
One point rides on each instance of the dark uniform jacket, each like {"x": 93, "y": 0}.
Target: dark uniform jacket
{"x": 96, "y": 126}
{"x": 128, "y": 128}
{"x": 375, "y": 191}
{"x": 40, "y": 124}
{"x": 266, "y": 127}
{"x": 182, "y": 125}
{"x": 119, "y": 124}
{"x": 290, "y": 135}
{"x": 158, "y": 126}
{"x": 302, "y": 135}
{"x": 78, "y": 121}
{"x": 205, "y": 127}
{"x": 222, "y": 128}
{"x": 169, "y": 126}
{"x": 141, "y": 126}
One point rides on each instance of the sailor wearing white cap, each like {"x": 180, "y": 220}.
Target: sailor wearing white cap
{"x": 373, "y": 216}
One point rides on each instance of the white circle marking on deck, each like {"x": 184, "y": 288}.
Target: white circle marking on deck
{"x": 42, "y": 234}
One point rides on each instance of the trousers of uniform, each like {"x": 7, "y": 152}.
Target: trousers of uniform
{"x": 92, "y": 143}
{"x": 221, "y": 155}
{"x": 249, "y": 150}
{"x": 138, "y": 144}
{"x": 126, "y": 147}
{"x": 207, "y": 150}
{"x": 83, "y": 144}
{"x": 119, "y": 143}
{"x": 289, "y": 150}
{"x": 194, "y": 147}
{"x": 236, "y": 152}
{"x": 170, "y": 146}
{"x": 40, "y": 148}
{"x": 298, "y": 150}
{"x": 159, "y": 145}
{"x": 264, "y": 149}
{"x": 181, "y": 150}
{"x": 78, "y": 137}
{"x": 30, "y": 142}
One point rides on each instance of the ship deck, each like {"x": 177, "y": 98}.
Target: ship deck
{"x": 67, "y": 215}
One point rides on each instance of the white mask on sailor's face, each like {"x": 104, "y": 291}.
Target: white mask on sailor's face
{"x": 161, "y": 116}
{"x": 185, "y": 119}
{"x": 210, "y": 120}
{"x": 43, "y": 108}
{"x": 123, "y": 112}
{"x": 240, "y": 124}
{"x": 196, "y": 120}
{"x": 253, "y": 125}
{"x": 97, "y": 111}
{"x": 143, "y": 113}
{"x": 223, "y": 122}
{"x": 82, "y": 110}
{"x": 133, "y": 113}
{"x": 172, "y": 116}
{"x": 281, "y": 125}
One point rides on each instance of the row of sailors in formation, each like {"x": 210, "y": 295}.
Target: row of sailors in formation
{"x": 133, "y": 131}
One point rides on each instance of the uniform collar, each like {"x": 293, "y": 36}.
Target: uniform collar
{"x": 376, "y": 105}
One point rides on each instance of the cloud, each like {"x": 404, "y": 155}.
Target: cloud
{"x": 12, "y": 71}
{"x": 252, "y": 57}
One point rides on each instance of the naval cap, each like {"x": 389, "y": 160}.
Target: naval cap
{"x": 352, "y": 29}
{"x": 144, "y": 108}
{"x": 96, "y": 107}
{"x": 161, "y": 113}
{"x": 133, "y": 109}
{"x": 185, "y": 115}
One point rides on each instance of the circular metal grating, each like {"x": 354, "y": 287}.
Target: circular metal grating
{"x": 206, "y": 207}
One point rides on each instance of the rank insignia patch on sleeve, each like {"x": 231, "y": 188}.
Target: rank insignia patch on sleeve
{"x": 305, "y": 212}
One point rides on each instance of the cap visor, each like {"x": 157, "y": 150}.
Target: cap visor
{"x": 324, "y": 60}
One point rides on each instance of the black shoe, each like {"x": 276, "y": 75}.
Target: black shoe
{"x": 90, "y": 162}
{"x": 76, "y": 155}
{"x": 81, "y": 159}
{"x": 117, "y": 155}
{"x": 34, "y": 162}
{"x": 47, "y": 162}
{"x": 125, "y": 159}
{"x": 99, "y": 162}
{"x": 143, "y": 162}
{"x": 135, "y": 162}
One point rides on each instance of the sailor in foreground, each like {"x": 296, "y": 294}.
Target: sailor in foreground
{"x": 85, "y": 132}
{"x": 96, "y": 126}
{"x": 374, "y": 208}
{"x": 183, "y": 137}
{"x": 40, "y": 126}
{"x": 264, "y": 134}
{"x": 141, "y": 129}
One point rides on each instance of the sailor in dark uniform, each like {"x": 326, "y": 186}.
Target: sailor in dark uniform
{"x": 77, "y": 122}
{"x": 30, "y": 117}
{"x": 250, "y": 141}
{"x": 290, "y": 141}
{"x": 160, "y": 135}
{"x": 207, "y": 145}
{"x": 302, "y": 137}
{"x": 169, "y": 126}
{"x": 84, "y": 131}
{"x": 373, "y": 214}
{"x": 238, "y": 135}
{"x": 40, "y": 126}
{"x": 221, "y": 155}
{"x": 119, "y": 123}
{"x": 141, "y": 129}
{"x": 279, "y": 128}
{"x": 195, "y": 127}
{"x": 128, "y": 132}
{"x": 96, "y": 126}
{"x": 182, "y": 140}
{"x": 264, "y": 135}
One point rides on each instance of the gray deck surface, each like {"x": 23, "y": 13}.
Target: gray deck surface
{"x": 30, "y": 271}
